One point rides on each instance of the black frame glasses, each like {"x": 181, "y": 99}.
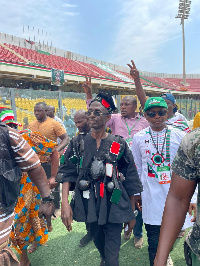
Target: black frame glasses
{"x": 153, "y": 114}
{"x": 95, "y": 113}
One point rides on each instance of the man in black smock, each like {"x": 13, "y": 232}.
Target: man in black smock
{"x": 103, "y": 170}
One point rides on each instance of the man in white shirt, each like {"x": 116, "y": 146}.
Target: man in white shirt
{"x": 153, "y": 149}
{"x": 174, "y": 119}
{"x": 50, "y": 111}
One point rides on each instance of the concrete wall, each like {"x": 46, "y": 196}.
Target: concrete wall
{"x": 10, "y": 39}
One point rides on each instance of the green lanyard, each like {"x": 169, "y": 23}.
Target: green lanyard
{"x": 129, "y": 130}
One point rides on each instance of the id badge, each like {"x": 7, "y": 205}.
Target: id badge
{"x": 86, "y": 194}
{"x": 129, "y": 142}
{"x": 164, "y": 174}
{"x": 109, "y": 169}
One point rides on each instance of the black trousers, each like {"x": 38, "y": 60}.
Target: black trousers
{"x": 107, "y": 239}
{"x": 56, "y": 191}
{"x": 153, "y": 233}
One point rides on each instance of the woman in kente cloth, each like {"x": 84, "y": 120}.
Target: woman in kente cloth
{"x": 29, "y": 228}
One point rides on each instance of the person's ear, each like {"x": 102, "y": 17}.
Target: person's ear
{"x": 134, "y": 106}
{"x": 108, "y": 117}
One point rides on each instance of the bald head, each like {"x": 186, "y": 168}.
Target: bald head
{"x": 50, "y": 111}
{"x": 81, "y": 121}
{"x": 80, "y": 114}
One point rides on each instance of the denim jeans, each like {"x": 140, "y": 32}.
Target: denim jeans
{"x": 137, "y": 230}
{"x": 153, "y": 233}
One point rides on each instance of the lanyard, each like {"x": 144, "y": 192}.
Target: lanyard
{"x": 167, "y": 138}
{"x": 130, "y": 129}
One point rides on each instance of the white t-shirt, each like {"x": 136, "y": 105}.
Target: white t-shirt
{"x": 178, "y": 123}
{"x": 145, "y": 152}
{"x": 181, "y": 117}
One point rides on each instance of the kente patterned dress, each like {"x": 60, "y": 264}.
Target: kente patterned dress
{"x": 28, "y": 227}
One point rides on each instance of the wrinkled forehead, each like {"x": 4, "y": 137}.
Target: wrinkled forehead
{"x": 97, "y": 106}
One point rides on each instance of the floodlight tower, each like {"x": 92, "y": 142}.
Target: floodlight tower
{"x": 183, "y": 13}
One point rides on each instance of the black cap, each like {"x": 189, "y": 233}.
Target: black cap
{"x": 106, "y": 100}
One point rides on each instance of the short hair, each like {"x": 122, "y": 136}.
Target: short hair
{"x": 44, "y": 105}
{"x": 131, "y": 98}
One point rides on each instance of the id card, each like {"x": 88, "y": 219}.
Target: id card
{"x": 164, "y": 174}
{"x": 109, "y": 169}
{"x": 86, "y": 194}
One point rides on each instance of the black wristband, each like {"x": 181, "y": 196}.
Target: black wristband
{"x": 47, "y": 199}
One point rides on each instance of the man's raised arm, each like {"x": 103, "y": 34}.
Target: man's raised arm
{"x": 139, "y": 89}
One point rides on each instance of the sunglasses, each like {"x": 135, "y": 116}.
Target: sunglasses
{"x": 160, "y": 113}
{"x": 95, "y": 113}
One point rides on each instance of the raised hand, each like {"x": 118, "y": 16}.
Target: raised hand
{"x": 87, "y": 85}
{"x": 133, "y": 71}
{"x": 138, "y": 86}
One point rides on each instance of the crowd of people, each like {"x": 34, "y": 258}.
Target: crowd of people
{"x": 122, "y": 170}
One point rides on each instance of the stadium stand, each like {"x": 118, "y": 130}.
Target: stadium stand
{"x": 9, "y": 55}
{"x": 17, "y": 54}
{"x": 27, "y": 67}
{"x": 25, "y": 107}
{"x": 57, "y": 62}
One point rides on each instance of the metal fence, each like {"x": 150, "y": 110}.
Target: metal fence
{"x": 22, "y": 101}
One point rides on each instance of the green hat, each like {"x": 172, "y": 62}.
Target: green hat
{"x": 154, "y": 102}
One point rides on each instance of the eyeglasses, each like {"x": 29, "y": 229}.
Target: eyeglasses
{"x": 95, "y": 112}
{"x": 160, "y": 113}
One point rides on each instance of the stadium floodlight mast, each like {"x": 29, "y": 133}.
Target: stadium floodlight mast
{"x": 183, "y": 13}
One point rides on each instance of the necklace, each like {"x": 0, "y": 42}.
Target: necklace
{"x": 158, "y": 157}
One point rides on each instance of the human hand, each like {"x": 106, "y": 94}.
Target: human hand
{"x": 47, "y": 210}
{"x": 133, "y": 71}
{"x": 131, "y": 225}
{"x": 52, "y": 182}
{"x": 193, "y": 211}
{"x": 87, "y": 85}
{"x": 138, "y": 202}
{"x": 67, "y": 215}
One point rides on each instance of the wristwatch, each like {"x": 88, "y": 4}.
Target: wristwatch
{"x": 48, "y": 199}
